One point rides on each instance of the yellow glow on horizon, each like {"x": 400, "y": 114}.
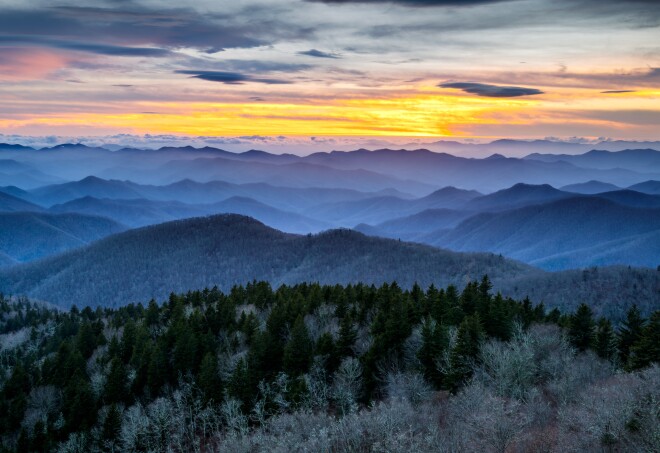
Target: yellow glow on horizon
{"x": 422, "y": 115}
{"x": 432, "y": 113}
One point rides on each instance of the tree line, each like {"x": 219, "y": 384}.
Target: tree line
{"x": 230, "y": 366}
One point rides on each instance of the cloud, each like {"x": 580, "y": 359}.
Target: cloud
{"x": 318, "y": 54}
{"x": 262, "y": 66}
{"x": 491, "y": 91}
{"x": 412, "y": 3}
{"x": 618, "y": 91}
{"x": 28, "y": 64}
{"x": 99, "y": 49}
{"x": 128, "y": 26}
{"x": 230, "y": 78}
{"x": 635, "y": 117}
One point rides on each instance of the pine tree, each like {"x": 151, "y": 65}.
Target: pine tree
{"x": 115, "y": 386}
{"x": 347, "y": 337}
{"x": 629, "y": 333}
{"x": 299, "y": 349}
{"x": 605, "y": 340}
{"x": 240, "y": 386}
{"x": 465, "y": 352}
{"x": 581, "y": 328}
{"x": 112, "y": 424}
{"x": 434, "y": 343}
{"x": 209, "y": 378}
{"x": 647, "y": 349}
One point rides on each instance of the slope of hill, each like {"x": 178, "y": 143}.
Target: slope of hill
{"x": 486, "y": 175}
{"x": 535, "y": 233}
{"x": 140, "y": 212}
{"x": 650, "y": 187}
{"x": 289, "y": 222}
{"x": 590, "y": 187}
{"x": 15, "y": 173}
{"x": 133, "y": 213}
{"x": 10, "y": 203}
{"x": 297, "y": 174}
{"x": 412, "y": 227}
{"x": 640, "y": 160}
{"x": 517, "y": 196}
{"x": 609, "y": 291}
{"x": 631, "y": 198}
{"x": 28, "y": 236}
{"x": 224, "y": 250}
{"x": 380, "y": 209}
{"x": 89, "y": 186}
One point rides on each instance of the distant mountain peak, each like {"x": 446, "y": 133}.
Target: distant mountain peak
{"x": 495, "y": 156}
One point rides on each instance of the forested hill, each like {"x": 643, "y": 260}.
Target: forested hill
{"x": 230, "y": 249}
{"x": 225, "y": 250}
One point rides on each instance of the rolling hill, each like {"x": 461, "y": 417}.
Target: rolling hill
{"x": 516, "y": 196}
{"x": 380, "y": 209}
{"x": 650, "y": 187}
{"x": 133, "y": 213}
{"x": 11, "y": 203}
{"x": 411, "y": 228}
{"x": 536, "y": 233}
{"x": 26, "y": 236}
{"x": 640, "y": 160}
{"x": 590, "y": 187}
{"x": 225, "y": 250}
{"x": 90, "y": 186}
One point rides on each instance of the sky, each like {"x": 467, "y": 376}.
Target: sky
{"x": 322, "y": 72}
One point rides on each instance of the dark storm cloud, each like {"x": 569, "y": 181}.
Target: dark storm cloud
{"x": 415, "y": 3}
{"x": 491, "y": 91}
{"x": 100, "y": 49}
{"x": 170, "y": 28}
{"x": 230, "y": 78}
{"x": 318, "y": 54}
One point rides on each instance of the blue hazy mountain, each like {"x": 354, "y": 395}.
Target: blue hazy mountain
{"x": 590, "y": 187}
{"x": 27, "y": 236}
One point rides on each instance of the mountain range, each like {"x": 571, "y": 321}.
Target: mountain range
{"x": 412, "y": 225}
{"x": 417, "y": 171}
{"x": 225, "y": 250}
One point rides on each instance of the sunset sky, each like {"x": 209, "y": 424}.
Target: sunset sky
{"x": 276, "y": 70}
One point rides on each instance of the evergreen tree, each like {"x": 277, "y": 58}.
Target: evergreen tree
{"x": 464, "y": 354}
{"x": 209, "y": 378}
{"x": 240, "y": 386}
{"x": 347, "y": 337}
{"x": 647, "y": 349}
{"x": 299, "y": 350}
{"x": 115, "y": 386}
{"x": 79, "y": 407}
{"x": 112, "y": 424}
{"x": 326, "y": 348}
{"x": 605, "y": 340}
{"x": 434, "y": 343}
{"x": 581, "y": 328}
{"x": 629, "y": 333}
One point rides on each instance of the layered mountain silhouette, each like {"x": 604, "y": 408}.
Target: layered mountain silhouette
{"x": 632, "y": 159}
{"x": 225, "y": 250}
{"x": 27, "y": 236}
{"x": 418, "y": 172}
{"x": 562, "y": 234}
{"x": 590, "y": 187}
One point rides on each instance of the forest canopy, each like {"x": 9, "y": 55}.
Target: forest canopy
{"x": 327, "y": 368}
